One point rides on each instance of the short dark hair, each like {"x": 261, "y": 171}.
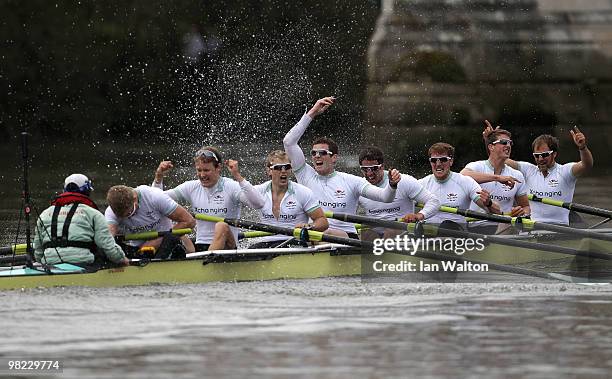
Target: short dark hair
{"x": 332, "y": 145}
{"x": 442, "y": 148}
{"x": 494, "y": 136}
{"x": 552, "y": 142}
{"x": 372, "y": 153}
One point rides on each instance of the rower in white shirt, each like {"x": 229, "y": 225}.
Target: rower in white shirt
{"x": 409, "y": 191}
{"x": 142, "y": 209}
{"x": 504, "y": 184}
{"x": 336, "y": 191}
{"x": 213, "y": 195}
{"x": 453, "y": 189}
{"x": 287, "y": 203}
{"x": 547, "y": 178}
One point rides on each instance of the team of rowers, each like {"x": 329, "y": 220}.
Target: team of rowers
{"x": 497, "y": 184}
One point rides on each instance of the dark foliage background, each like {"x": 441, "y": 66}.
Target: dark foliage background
{"x": 109, "y": 70}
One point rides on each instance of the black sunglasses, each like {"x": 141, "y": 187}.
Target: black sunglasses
{"x": 441, "y": 159}
{"x": 280, "y": 166}
{"x": 544, "y": 154}
{"x": 320, "y": 152}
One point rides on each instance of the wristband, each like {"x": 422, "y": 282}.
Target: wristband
{"x": 489, "y": 203}
{"x": 584, "y": 147}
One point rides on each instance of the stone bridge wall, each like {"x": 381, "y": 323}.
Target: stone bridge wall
{"x": 437, "y": 68}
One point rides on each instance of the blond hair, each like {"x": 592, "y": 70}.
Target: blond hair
{"x": 276, "y": 154}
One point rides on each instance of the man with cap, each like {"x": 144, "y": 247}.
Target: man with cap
{"x": 73, "y": 230}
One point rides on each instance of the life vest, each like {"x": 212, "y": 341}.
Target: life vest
{"x": 75, "y": 199}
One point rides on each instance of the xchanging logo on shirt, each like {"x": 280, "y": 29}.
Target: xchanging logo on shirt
{"x": 267, "y": 216}
{"x": 546, "y": 193}
{"x": 332, "y": 205}
{"x": 210, "y": 211}
{"x": 387, "y": 210}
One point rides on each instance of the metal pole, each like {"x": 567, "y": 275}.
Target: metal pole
{"x": 27, "y": 209}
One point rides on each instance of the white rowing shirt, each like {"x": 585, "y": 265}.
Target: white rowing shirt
{"x": 154, "y": 207}
{"x": 559, "y": 184}
{"x": 336, "y": 192}
{"x": 501, "y": 193}
{"x": 297, "y": 203}
{"x": 457, "y": 191}
{"x": 221, "y": 200}
{"x": 408, "y": 189}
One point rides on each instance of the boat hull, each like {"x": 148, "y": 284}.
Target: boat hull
{"x": 304, "y": 264}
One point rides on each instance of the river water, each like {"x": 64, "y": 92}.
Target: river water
{"x": 324, "y": 328}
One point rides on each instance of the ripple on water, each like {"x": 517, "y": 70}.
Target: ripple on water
{"x": 329, "y": 328}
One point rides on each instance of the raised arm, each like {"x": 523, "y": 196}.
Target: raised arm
{"x": 249, "y": 194}
{"x": 586, "y": 158}
{"x": 290, "y": 142}
{"x": 158, "y": 181}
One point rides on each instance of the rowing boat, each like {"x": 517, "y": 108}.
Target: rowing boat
{"x": 326, "y": 260}
{"x": 217, "y": 266}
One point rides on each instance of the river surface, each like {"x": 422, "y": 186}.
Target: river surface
{"x": 323, "y": 328}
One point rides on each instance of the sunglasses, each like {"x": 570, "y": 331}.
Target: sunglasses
{"x": 372, "y": 168}
{"x": 441, "y": 159}
{"x": 280, "y": 166}
{"x": 544, "y": 154}
{"x": 207, "y": 154}
{"x": 503, "y": 141}
{"x": 320, "y": 153}
{"x": 133, "y": 211}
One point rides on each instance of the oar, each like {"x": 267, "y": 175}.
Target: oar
{"x": 13, "y": 249}
{"x": 572, "y": 206}
{"x": 434, "y": 231}
{"x": 20, "y": 248}
{"x": 152, "y": 234}
{"x": 253, "y": 234}
{"x": 527, "y": 223}
{"x": 297, "y": 233}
